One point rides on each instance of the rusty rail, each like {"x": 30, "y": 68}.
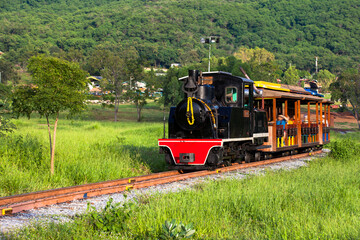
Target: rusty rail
{"x": 17, "y": 203}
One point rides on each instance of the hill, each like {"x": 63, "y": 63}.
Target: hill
{"x": 165, "y": 31}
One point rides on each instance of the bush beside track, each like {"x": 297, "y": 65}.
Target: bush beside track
{"x": 318, "y": 201}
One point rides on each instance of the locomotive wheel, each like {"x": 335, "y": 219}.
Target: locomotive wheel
{"x": 257, "y": 156}
{"x": 248, "y": 157}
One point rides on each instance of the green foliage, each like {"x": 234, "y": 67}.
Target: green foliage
{"x": 173, "y": 230}
{"x": 172, "y": 92}
{"x": 291, "y": 76}
{"x": 5, "y": 95}
{"x": 258, "y": 55}
{"x": 344, "y": 150}
{"x": 26, "y": 150}
{"x": 169, "y": 31}
{"x": 7, "y": 71}
{"x": 112, "y": 218}
{"x": 58, "y": 85}
{"x": 139, "y": 99}
{"x": 6, "y": 126}
{"x": 347, "y": 88}
{"x": 119, "y": 68}
{"x": 325, "y": 78}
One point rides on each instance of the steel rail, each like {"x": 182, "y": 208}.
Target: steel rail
{"x": 17, "y": 203}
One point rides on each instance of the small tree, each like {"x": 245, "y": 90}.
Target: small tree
{"x": 58, "y": 85}
{"x": 5, "y": 125}
{"x": 347, "y": 88}
{"x": 291, "y": 76}
{"x": 325, "y": 78}
{"x": 139, "y": 99}
{"x": 8, "y": 73}
{"x": 117, "y": 67}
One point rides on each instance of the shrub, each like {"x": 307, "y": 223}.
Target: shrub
{"x": 112, "y": 218}
{"x": 344, "y": 149}
{"x": 6, "y": 126}
{"x": 172, "y": 230}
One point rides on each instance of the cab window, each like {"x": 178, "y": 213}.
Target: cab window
{"x": 246, "y": 96}
{"x": 231, "y": 95}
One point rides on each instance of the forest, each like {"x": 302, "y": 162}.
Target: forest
{"x": 164, "y": 31}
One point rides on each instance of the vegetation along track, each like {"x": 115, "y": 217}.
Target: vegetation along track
{"x": 17, "y": 203}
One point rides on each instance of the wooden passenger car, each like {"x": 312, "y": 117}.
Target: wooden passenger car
{"x": 310, "y": 117}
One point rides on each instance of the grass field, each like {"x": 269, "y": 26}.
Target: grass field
{"x": 321, "y": 201}
{"x": 86, "y": 151}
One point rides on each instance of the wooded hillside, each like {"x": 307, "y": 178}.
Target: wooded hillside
{"x": 165, "y": 31}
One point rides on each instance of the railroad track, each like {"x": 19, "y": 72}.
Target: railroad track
{"x": 18, "y": 203}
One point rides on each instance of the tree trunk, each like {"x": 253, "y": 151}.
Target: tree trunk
{"x": 49, "y": 130}
{"x": 53, "y": 146}
{"x": 116, "y": 107}
{"x": 356, "y": 113}
{"x": 138, "y": 113}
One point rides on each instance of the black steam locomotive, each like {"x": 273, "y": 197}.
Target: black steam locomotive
{"x": 215, "y": 124}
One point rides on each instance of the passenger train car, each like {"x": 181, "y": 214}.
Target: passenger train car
{"x": 225, "y": 118}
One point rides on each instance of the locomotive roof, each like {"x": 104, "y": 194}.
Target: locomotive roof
{"x": 223, "y": 74}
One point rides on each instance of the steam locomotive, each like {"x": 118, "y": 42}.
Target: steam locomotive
{"x": 215, "y": 124}
{"x": 225, "y": 118}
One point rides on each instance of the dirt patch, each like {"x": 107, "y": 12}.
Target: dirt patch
{"x": 344, "y": 121}
{"x": 344, "y": 117}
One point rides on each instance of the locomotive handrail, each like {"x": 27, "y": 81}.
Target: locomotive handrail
{"x": 190, "y": 105}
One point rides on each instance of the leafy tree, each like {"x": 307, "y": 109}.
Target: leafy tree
{"x": 117, "y": 67}
{"x": 293, "y": 31}
{"x": 347, "y": 88}
{"x": 291, "y": 76}
{"x": 7, "y": 72}
{"x": 133, "y": 93}
{"x": 258, "y": 55}
{"x": 139, "y": 99}
{"x": 58, "y": 85}
{"x": 325, "y": 78}
{"x": 172, "y": 92}
{"x": 5, "y": 92}
{"x": 5, "y": 124}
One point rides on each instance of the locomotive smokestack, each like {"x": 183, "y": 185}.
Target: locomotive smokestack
{"x": 190, "y": 85}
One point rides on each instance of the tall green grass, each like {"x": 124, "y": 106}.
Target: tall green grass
{"x": 321, "y": 201}
{"x": 86, "y": 151}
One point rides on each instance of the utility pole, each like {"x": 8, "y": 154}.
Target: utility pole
{"x": 210, "y": 40}
{"x": 0, "y": 77}
{"x": 316, "y": 64}
{"x": 209, "y": 57}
